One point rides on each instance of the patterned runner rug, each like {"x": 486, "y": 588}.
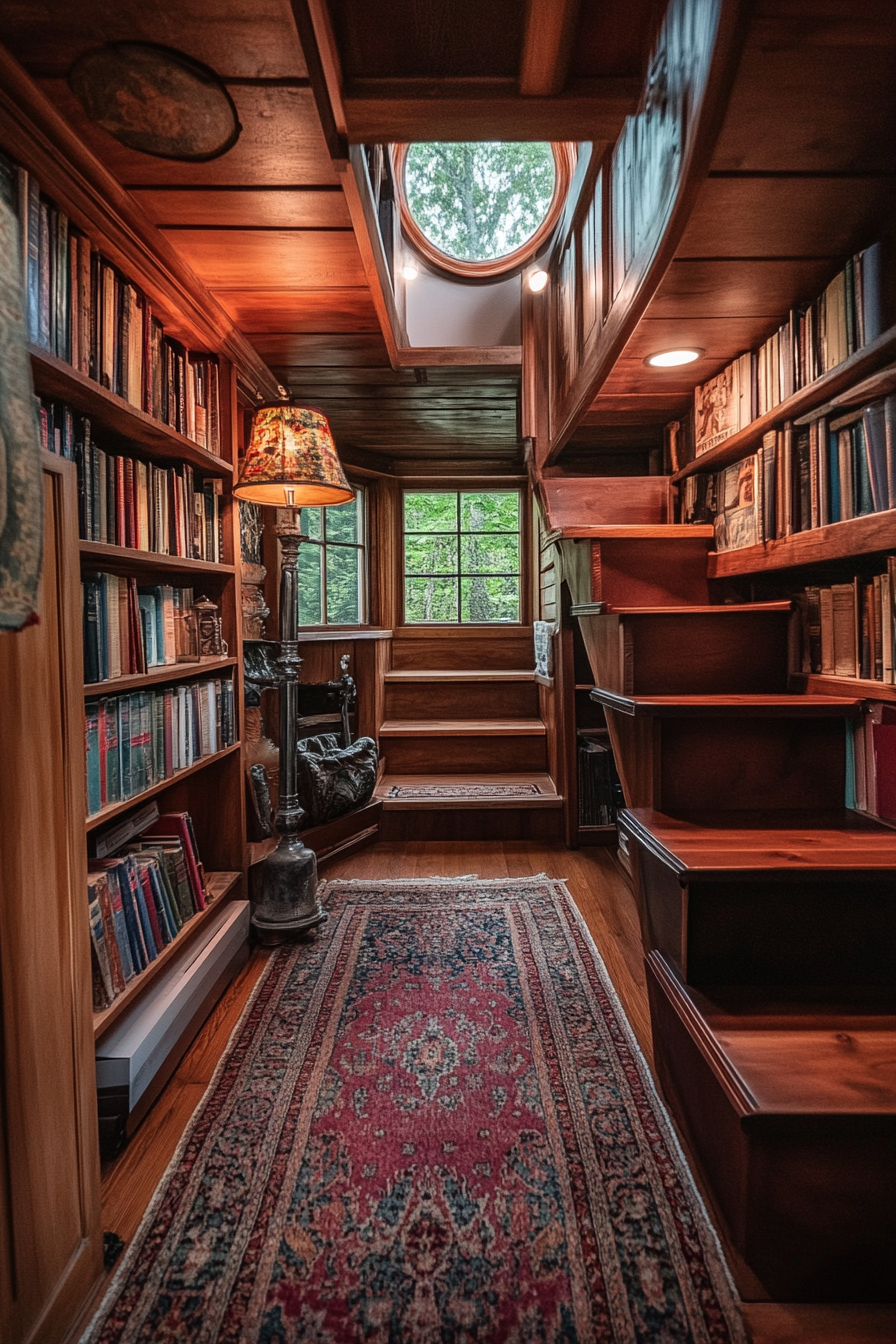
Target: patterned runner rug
{"x": 431, "y": 1126}
{"x": 463, "y": 791}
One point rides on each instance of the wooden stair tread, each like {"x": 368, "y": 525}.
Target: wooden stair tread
{"x": 439, "y": 674}
{"x": 463, "y": 728}
{"x": 789, "y": 1056}
{"x": 768, "y": 842}
{"x": 546, "y": 797}
{"x": 729, "y": 609}
{"x": 731, "y": 706}
{"x": 653, "y": 531}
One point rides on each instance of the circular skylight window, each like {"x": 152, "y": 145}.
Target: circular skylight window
{"x": 481, "y": 208}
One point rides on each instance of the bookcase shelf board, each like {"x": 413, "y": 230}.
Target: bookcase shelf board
{"x": 630, "y": 531}
{"x": 116, "y": 809}
{"x": 218, "y": 887}
{"x": 829, "y": 385}
{"x": 597, "y": 835}
{"x": 125, "y": 560}
{"x": 118, "y": 419}
{"x": 816, "y": 683}
{"x": 835, "y": 541}
{"x": 169, "y": 672}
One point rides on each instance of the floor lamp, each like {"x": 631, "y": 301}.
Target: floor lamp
{"x": 290, "y": 464}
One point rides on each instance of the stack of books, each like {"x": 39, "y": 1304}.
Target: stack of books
{"x": 139, "y": 900}
{"x": 129, "y": 628}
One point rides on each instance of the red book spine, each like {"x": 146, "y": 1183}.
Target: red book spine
{"x": 149, "y": 901}
{"x": 176, "y": 823}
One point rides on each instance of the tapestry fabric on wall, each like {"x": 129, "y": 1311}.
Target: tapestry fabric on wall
{"x": 21, "y": 486}
{"x": 431, "y": 1125}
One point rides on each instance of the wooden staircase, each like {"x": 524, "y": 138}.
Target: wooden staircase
{"x": 465, "y": 756}
{"x": 768, "y": 919}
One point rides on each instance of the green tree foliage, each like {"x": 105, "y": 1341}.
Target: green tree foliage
{"x": 462, "y": 556}
{"x": 479, "y": 201}
{"x": 332, "y": 572}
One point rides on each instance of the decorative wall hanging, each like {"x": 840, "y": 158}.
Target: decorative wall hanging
{"x": 21, "y": 487}
{"x": 156, "y": 100}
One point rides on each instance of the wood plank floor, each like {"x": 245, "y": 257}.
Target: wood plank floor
{"x": 604, "y": 896}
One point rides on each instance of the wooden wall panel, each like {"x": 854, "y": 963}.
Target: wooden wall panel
{"x": 280, "y": 208}
{"x": 251, "y": 259}
{"x": 50, "y": 1237}
{"x": 322, "y": 310}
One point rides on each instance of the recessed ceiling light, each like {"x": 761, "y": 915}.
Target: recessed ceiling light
{"x": 537, "y": 281}
{"x": 410, "y": 270}
{"x": 671, "y": 359}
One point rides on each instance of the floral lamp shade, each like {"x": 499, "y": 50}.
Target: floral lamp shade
{"x": 291, "y": 461}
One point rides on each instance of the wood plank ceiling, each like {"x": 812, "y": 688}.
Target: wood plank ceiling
{"x": 802, "y": 173}
{"x": 802, "y": 176}
{"x": 266, "y": 225}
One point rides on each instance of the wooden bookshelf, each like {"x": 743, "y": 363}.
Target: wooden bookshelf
{"x": 821, "y": 683}
{"x": 824, "y": 389}
{"x": 169, "y": 672}
{"x": 113, "y": 810}
{"x": 217, "y": 887}
{"x": 127, "y": 560}
{"x": 836, "y": 541}
{"x": 116, "y": 419}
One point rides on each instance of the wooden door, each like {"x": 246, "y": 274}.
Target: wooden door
{"x": 50, "y": 1236}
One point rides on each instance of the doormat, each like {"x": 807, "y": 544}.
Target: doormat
{"x": 448, "y": 791}
{"x": 434, "y": 1125}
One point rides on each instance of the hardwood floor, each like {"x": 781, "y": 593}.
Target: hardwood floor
{"x": 604, "y": 896}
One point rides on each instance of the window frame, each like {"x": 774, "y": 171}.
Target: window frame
{"x": 565, "y": 154}
{"x": 490, "y": 486}
{"x": 362, "y": 546}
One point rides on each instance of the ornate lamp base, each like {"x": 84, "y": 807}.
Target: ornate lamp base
{"x": 288, "y": 906}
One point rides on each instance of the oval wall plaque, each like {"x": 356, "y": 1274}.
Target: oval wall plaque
{"x": 157, "y": 100}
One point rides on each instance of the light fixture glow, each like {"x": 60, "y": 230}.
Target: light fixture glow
{"x": 537, "y": 281}
{"x": 673, "y": 359}
{"x": 410, "y": 269}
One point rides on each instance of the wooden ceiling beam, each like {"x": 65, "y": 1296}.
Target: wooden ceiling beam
{"x": 547, "y": 43}
{"x": 386, "y": 111}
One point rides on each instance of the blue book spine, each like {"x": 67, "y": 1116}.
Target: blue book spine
{"x": 140, "y": 901}
{"x": 33, "y": 280}
{"x": 834, "y": 474}
{"x": 124, "y": 745}
{"x": 92, "y": 744}
{"x": 119, "y": 921}
{"x": 132, "y": 918}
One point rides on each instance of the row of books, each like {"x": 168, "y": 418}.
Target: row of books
{"x": 813, "y": 340}
{"x": 600, "y": 793}
{"x": 139, "y": 900}
{"x": 125, "y": 501}
{"x": 806, "y": 476}
{"x": 136, "y": 741}
{"x": 129, "y": 628}
{"x": 849, "y": 629}
{"x": 83, "y": 310}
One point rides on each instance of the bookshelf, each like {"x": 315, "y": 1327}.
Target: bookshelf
{"x": 133, "y": 682}
{"x": 836, "y": 541}
{"x": 814, "y": 396}
{"x": 218, "y": 887}
{"x": 113, "y": 810}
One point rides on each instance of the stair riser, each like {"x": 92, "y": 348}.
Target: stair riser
{"x": 791, "y": 930}
{"x": 501, "y": 650}
{"x": 461, "y": 700}
{"x": 807, "y": 1199}
{"x": 470, "y": 824}
{"x": 462, "y": 755}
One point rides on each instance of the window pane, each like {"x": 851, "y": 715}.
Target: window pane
{"x": 343, "y": 607}
{"x": 430, "y": 512}
{"x": 311, "y": 524}
{"x": 311, "y": 610}
{"x": 490, "y": 511}
{"x": 432, "y": 599}
{"x": 489, "y": 599}
{"x": 430, "y": 555}
{"x": 482, "y": 554}
{"x": 342, "y": 521}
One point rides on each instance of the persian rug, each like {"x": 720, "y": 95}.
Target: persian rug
{"x": 431, "y": 1126}
{"x": 463, "y": 791}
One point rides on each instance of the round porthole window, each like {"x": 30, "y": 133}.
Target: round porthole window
{"x": 480, "y": 209}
